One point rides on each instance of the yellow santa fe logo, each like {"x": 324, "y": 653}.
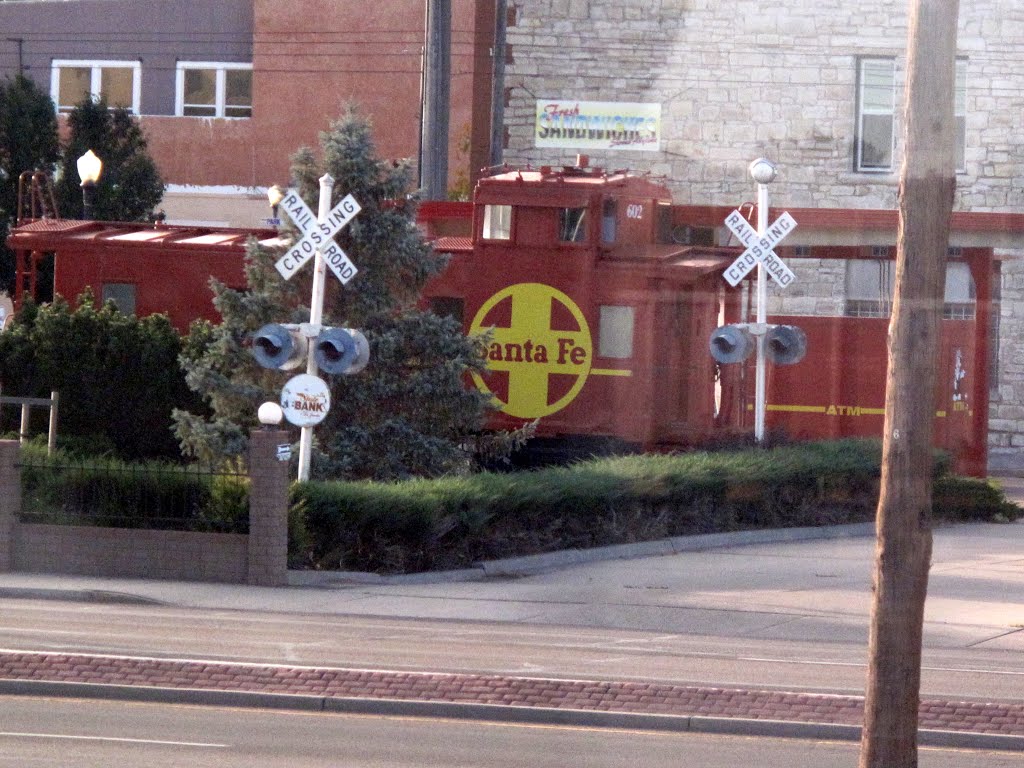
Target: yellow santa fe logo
{"x": 530, "y": 351}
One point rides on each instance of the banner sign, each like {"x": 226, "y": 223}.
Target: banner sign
{"x": 570, "y": 124}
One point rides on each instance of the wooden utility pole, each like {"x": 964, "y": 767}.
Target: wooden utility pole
{"x": 498, "y": 84}
{"x": 904, "y": 540}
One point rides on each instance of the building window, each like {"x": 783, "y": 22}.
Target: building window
{"x": 497, "y": 222}
{"x": 960, "y": 114}
{"x": 876, "y": 107}
{"x": 615, "y": 332}
{"x": 211, "y": 89}
{"x": 961, "y": 295}
{"x": 572, "y": 225}
{"x": 118, "y": 82}
{"x": 122, "y": 294}
{"x": 870, "y": 284}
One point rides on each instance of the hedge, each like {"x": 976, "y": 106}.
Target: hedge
{"x": 423, "y": 525}
{"x": 451, "y": 523}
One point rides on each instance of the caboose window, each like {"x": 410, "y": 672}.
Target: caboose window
{"x": 448, "y": 306}
{"x": 122, "y": 294}
{"x": 572, "y": 225}
{"x": 497, "y": 222}
{"x": 615, "y": 332}
{"x": 609, "y": 219}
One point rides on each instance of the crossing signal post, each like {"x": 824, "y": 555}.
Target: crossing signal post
{"x": 306, "y": 398}
{"x": 759, "y": 254}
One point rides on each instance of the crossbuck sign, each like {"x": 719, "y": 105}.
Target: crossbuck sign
{"x": 317, "y": 236}
{"x": 759, "y": 249}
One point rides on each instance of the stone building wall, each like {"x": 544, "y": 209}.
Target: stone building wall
{"x": 736, "y": 82}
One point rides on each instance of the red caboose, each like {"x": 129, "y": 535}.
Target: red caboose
{"x": 599, "y": 322}
{"x": 601, "y": 296}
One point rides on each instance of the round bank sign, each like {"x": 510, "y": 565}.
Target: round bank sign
{"x": 540, "y": 352}
{"x": 305, "y": 400}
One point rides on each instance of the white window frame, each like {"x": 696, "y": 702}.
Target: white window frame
{"x": 221, "y": 68}
{"x": 615, "y": 331}
{"x": 96, "y": 66}
{"x": 497, "y": 224}
{"x": 863, "y": 110}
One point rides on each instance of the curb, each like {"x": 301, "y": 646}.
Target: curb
{"x": 735, "y": 726}
{"x": 511, "y": 567}
{"x": 528, "y": 565}
{"x": 77, "y": 595}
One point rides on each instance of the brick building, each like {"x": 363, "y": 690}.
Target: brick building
{"x": 227, "y": 90}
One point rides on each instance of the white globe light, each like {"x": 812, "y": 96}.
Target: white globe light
{"x": 270, "y": 414}
{"x": 89, "y": 167}
{"x": 763, "y": 171}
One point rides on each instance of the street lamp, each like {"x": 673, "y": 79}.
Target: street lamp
{"x": 89, "y": 169}
{"x": 274, "y": 196}
{"x": 763, "y": 172}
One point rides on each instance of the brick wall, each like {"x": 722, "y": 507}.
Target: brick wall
{"x": 261, "y": 557}
{"x": 89, "y": 551}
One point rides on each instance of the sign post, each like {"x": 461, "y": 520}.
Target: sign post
{"x": 317, "y": 242}
{"x": 760, "y": 253}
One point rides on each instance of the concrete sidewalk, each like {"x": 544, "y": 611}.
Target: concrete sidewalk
{"x": 802, "y": 585}
{"x": 725, "y": 585}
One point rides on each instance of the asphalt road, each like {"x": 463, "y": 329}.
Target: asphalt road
{"x": 69, "y": 733}
{"x": 475, "y": 646}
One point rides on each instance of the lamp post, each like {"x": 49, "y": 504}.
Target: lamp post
{"x": 763, "y": 172}
{"x": 274, "y": 196}
{"x": 89, "y": 169}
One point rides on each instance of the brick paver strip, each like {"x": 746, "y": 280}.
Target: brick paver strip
{"x": 1005, "y": 718}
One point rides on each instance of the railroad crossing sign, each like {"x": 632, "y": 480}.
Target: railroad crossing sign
{"x": 759, "y": 249}
{"x": 317, "y": 236}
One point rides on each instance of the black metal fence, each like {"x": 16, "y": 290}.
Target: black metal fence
{"x": 120, "y": 495}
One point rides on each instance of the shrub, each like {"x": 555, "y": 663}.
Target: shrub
{"x": 967, "y": 499}
{"x": 454, "y": 522}
{"x": 112, "y": 493}
{"x": 117, "y": 375}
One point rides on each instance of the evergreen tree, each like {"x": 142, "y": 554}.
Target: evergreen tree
{"x": 130, "y": 186}
{"x": 410, "y": 411}
{"x": 28, "y": 142}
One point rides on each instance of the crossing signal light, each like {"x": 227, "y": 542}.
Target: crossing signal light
{"x": 335, "y": 350}
{"x": 731, "y": 344}
{"x": 341, "y": 350}
{"x": 279, "y": 346}
{"x": 785, "y": 344}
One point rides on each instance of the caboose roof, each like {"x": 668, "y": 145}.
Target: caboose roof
{"x": 61, "y": 234}
{"x": 551, "y": 186}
